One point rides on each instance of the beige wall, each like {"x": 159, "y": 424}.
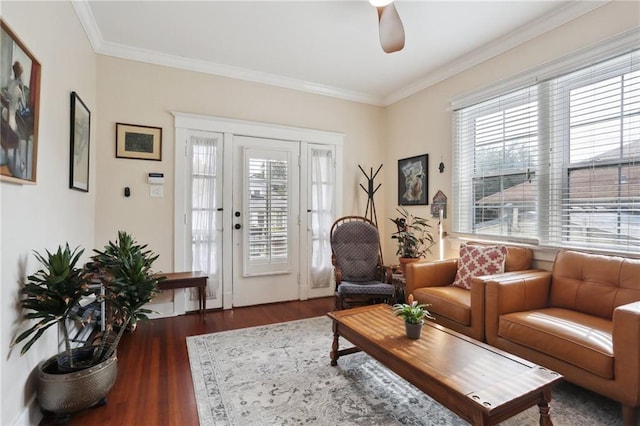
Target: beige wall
{"x": 44, "y": 215}
{"x": 422, "y": 123}
{"x": 138, "y": 93}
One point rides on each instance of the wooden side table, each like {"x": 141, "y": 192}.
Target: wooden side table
{"x": 197, "y": 279}
{"x": 399, "y": 281}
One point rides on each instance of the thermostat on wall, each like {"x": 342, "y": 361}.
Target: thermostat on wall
{"x": 156, "y": 178}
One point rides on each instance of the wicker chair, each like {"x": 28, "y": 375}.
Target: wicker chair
{"x": 361, "y": 278}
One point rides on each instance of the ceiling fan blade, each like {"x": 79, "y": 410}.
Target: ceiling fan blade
{"x": 391, "y": 28}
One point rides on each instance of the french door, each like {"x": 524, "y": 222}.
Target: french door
{"x": 252, "y": 202}
{"x": 204, "y": 221}
{"x": 266, "y": 228}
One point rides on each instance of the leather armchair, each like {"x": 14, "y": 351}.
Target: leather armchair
{"x": 453, "y": 307}
{"x": 581, "y": 320}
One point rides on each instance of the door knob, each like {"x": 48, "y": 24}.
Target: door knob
{"x": 237, "y": 226}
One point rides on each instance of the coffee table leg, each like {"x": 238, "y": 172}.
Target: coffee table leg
{"x": 334, "y": 347}
{"x": 545, "y": 418}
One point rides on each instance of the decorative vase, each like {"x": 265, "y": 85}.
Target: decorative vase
{"x": 413, "y": 330}
{"x": 61, "y": 393}
{"x": 404, "y": 261}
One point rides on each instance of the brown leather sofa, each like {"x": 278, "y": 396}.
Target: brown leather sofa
{"x": 454, "y": 307}
{"x": 582, "y": 320}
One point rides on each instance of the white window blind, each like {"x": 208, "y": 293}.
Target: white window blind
{"x": 557, "y": 162}
{"x": 268, "y": 210}
{"x": 496, "y": 162}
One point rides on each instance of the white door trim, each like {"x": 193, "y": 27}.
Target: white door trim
{"x": 230, "y": 127}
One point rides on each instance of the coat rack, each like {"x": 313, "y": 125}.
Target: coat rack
{"x": 370, "y": 212}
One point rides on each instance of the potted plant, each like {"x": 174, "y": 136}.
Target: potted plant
{"x": 413, "y": 314}
{"x": 413, "y": 235}
{"x": 80, "y": 377}
{"x": 124, "y": 267}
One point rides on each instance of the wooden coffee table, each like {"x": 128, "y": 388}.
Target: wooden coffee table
{"x": 481, "y": 384}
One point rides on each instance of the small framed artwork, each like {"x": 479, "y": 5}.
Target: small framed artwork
{"x": 413, "y": 181}
{"x": 138, "y": 142}
{"x": 20, "y": 107}
{"x": 79, "y": 156}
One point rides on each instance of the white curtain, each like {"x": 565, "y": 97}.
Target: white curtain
{"x": 204, "y": 233}
{"x": 322, "y": 215}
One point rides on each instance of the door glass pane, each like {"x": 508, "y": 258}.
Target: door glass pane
{"x": 322, "y": 177}
{"x": 204, "y": 234}
{"x": 267, "y": 212}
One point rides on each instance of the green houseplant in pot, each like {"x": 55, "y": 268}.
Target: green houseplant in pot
{"x": 413, "y": 314}
{"x": 413, "y": 235}
{"x": 80, "y": 377}
{"x": 124, "y": 267}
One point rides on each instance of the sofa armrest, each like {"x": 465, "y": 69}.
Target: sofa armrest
{"x": 626, "y": 351}
{"x": 438, "y": 273}
{"x": 513, "y": 292}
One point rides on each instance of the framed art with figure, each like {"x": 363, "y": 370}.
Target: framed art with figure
{"x": 20, "y": 102}
{"x": 413, "y": 182}
{"x": 79, "y": 156}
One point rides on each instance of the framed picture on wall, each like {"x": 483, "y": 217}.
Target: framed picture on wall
{"x": 20, "y": 106}
{"x": 79, "y": 153}
{"x": 413, "y": 181}
{"x": 138, "y": 142}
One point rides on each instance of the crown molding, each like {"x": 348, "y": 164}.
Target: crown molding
{"x": 88, "y": 22}
{"x": 548, "y": 22}
{"x": 157, "y": 58}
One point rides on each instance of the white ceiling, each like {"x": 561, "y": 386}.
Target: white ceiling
{"x": 327, "y": 47}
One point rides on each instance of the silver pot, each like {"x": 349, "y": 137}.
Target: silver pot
{"x": 62, "y": 393}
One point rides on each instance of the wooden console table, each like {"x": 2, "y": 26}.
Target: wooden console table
{"x": 197, "y": 279}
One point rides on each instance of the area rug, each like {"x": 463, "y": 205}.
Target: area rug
{"x": 280, "y": 375}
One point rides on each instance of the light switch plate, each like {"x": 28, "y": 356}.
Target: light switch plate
{"x": 156, "y": 191}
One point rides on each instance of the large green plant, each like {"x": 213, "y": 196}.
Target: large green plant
{"x": 413, "y": 235}
{"x": 124, "y": 266}
{"x": 52, "y": 293}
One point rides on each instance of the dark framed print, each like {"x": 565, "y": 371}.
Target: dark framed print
{"x": 20, "y": 106}
{"x": 138, "y": 142}
{"x": 413, "y": 181}
{"x": 80, "y": 144}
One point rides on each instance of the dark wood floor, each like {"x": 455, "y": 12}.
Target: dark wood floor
{"x": 154, "y": 384}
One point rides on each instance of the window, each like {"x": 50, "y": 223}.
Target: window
{"x": 205, "y": 203}
{"x": 321, "y": 204}
{"x": 556, "y": 162}
{"x": 268, "y": 209}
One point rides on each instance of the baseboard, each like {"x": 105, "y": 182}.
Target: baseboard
{"x": 31, "y": 414}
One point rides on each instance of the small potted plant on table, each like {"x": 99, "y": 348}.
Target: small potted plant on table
{"x": 413, "y": 314}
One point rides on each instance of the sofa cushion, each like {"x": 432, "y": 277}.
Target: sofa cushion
{"x": 476, "y": 260}
{"x": 356, "y": 247}
{"x": 594, "y": 284}
{"x": 518, "y": 259}
{"x": 573, "y": 337}
{"x": 450, "y": 302}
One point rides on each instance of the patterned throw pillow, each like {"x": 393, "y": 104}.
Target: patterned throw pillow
{"x": 478, "y": 260}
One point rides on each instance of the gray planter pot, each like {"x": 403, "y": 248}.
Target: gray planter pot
{"x": 63, "y": 393}
{"x": 413, "y": 330}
